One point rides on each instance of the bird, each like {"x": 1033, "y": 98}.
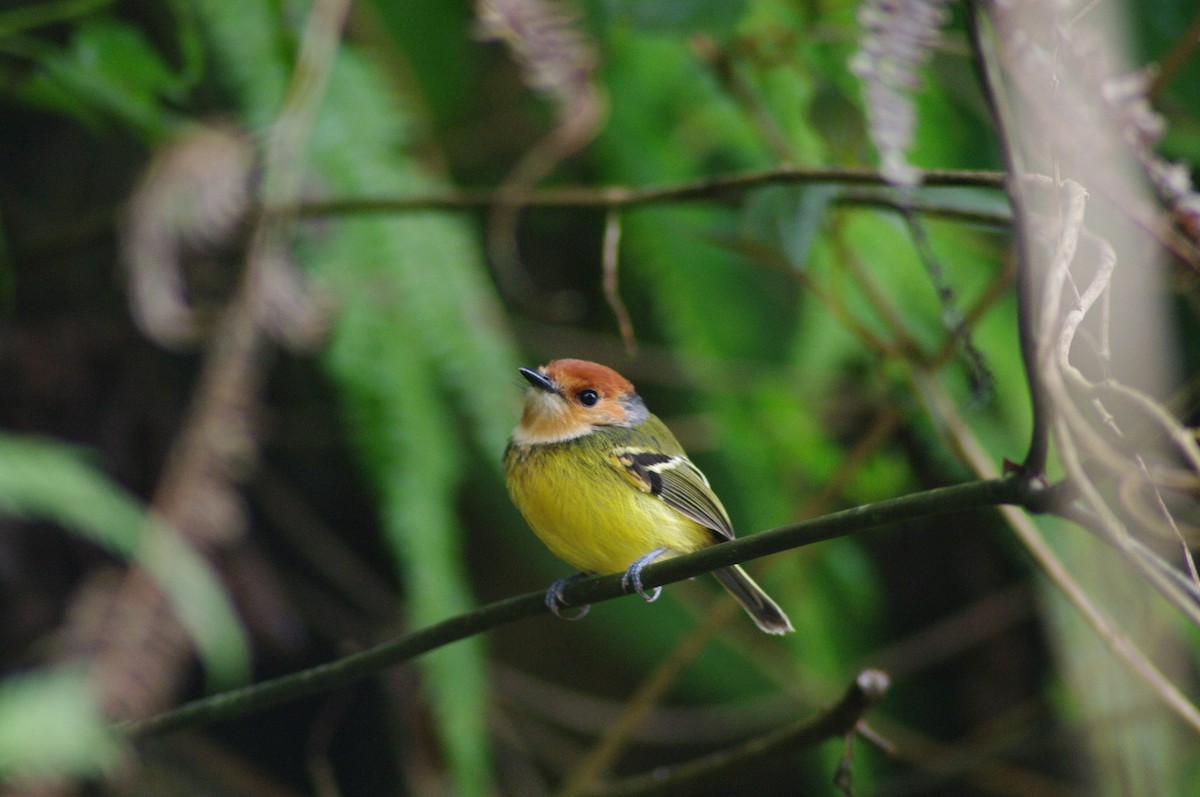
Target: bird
{"x": 607, "y": 487}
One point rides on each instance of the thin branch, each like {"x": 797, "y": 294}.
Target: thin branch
{"x": 996, "y": 290}
{"x": 839, "y": 720}
{"x": 986, "y": 62}
{"x": 710, "y": 189}
{"x": 612, "y": 292}
{"x": 887, "y": 199}
{"x": 346, "y": 670}
{"x": 982, "y": 379}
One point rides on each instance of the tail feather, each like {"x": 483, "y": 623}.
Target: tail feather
{"x": 765, "y": 613}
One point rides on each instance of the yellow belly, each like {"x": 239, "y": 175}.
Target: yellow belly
{"x": 593, "y": 518}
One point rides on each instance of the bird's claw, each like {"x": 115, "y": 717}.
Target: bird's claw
{"x": 555, "y": 601}
{"x": 632, "y": 579}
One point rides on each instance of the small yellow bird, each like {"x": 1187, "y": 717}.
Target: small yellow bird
{"x": 608, "y": 488}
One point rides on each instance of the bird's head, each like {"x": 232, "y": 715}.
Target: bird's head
{"x": 571, "y": 398}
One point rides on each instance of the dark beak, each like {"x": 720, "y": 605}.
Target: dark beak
{"x": 538, "y": 380}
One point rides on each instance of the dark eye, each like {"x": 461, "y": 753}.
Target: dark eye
{"x": 588, "y": 398}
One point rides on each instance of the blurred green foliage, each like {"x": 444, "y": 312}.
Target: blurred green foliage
{"x": 799, "y": 331}
{"x": 49, "y": 727}
{"x": 46, "y": 480}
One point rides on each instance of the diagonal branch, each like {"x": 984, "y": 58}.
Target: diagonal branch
{"x": 841, "y": 719}
{"x": 346, "y": 670}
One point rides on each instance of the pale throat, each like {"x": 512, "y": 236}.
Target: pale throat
{"x": 545, "y": 421}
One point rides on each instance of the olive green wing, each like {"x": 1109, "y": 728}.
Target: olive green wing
{"x": 677, "y": 482}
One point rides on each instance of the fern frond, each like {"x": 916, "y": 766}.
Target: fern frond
{"x": 897, "y": 39}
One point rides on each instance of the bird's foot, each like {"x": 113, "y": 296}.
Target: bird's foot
{"x": 633, "y": 575}
{"x": 555, "y": 601}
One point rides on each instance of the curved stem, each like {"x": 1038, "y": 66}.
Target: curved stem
{"x": 990, "y": 82}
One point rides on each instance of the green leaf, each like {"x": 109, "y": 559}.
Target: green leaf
{"x": 50, "y": 726}
{"x": 47, "y": 480}
{"x": 109, "y": 70}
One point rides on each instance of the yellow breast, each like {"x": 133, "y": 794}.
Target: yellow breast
{"x": 590, "y": 515}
